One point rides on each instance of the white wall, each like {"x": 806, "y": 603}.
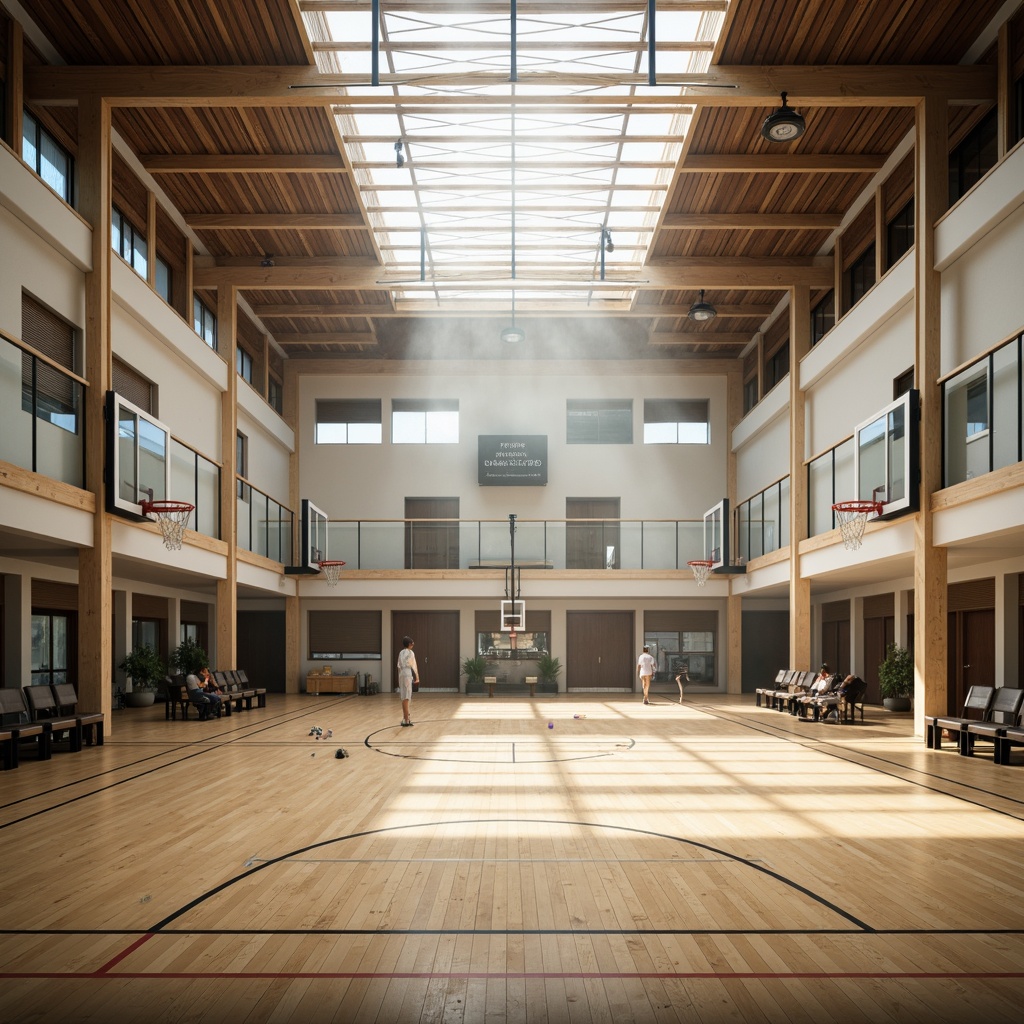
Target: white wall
{"x": 653, "y": 481}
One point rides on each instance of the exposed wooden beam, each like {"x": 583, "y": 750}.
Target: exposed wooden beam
{"x": 360, "y": 274}
{"x": 743, "y": 312}
{"x": 791, "y": 163}
{"x": 700, "y": 338}
{"x": 721, "y": 86}
{"x": 460, "y": 164}
{"x": 276, "y": 222}
{"x": 452, "y": 308}
{"x": 245, "y": 163}
{"x": 524, "y": 6}
{"x": 523, "y": 44}
{"x": 751, "y": 221}
{"x": 322, "y": 310}
{"x": 328, "y": 339}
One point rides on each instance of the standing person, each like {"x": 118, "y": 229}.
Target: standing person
{"x": 683, "y": 677}
{"x": 408, "y": 673}
{"x": 645, "y": 668}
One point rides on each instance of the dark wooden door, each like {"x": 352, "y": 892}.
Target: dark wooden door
{"x": 434, "y": 544}
{"x": 878, "y": 634}
{"x": 437, "y": 647}
{"x": 835, "y": 645}
{"x": 261, "y": 647}
{"x": 971, "y": 656}
{"x": 599, "y": 650}
{"x": 592, "y": 545}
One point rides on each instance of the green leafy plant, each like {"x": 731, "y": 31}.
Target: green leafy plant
{"x": 145, "y": 668}
{"x": 896, "y": 673}
{"x": 548, "y": 669}
{"x": 474, "y": 669}
{"x": 188, "y": 657}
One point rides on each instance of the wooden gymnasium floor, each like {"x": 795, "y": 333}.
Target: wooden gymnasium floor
{"x": 706, "y": 862}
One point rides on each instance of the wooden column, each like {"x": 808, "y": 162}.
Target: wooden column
{"x": 799, "y": 588}
{"x": 15, "y": 94}
{"x": 292, "y": 617}
{"x": 1004, "y": 87}
{"x": 227, "y": 589}
{"x": 95, "y": 571}
{"x": 930, "y": 583}
{"x": 151, "y": 239}
{"x": 734, "y": 602}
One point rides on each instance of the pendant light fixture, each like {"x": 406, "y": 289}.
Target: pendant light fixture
{"x": 784, "y": 124}
{"x": 702, "y": 311}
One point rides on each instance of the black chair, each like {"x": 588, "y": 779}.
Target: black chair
{"x": 44, "y": 709}
{"x": 15, "y": 726}
{"x": 91, "y": 722}
{"x": 1004, "y": 714}
{"x": 979, "y": 700}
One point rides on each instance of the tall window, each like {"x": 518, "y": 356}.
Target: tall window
{"x": 348, "y": 421}
{"x": 242, "y": 463}
{"x": 899, "y": 234}
{"x": 275, "y": 395}
{"x": 243, "y": 364}
{"x": 53, "y": 655}
{"x": 974, "y": 157}
{"x": 776, "y": 366}
{"x": 599, "y": 421}
{"x": 859, "y": 277}
{"x": 823, "y": 318}
{"x": 128, "y": 242}
{"x": 749, "y": 395}
{"x": 164, "y": 279}
{"x": 676, "y": 421}
{"x": 47, "y": 157}
{"x": 425, "y": 421}
{"x": 44, "y": 390}
{"x": 204, "y": 322}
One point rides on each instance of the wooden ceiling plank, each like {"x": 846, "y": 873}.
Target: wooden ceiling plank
{"x": 751, "y": 221}
{"x": 276, "y": 222}
{"x": 785, "y": 163}
{"x": 245, "y": 163}
{"x": 298, "y": 86}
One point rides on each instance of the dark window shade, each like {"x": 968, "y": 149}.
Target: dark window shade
{"x": 835, "y": 611}
{"x": 348, "y": 410}
{"x": 416, "y": 405}
{"x": 54, "y": 596}
{"x": 47, "y": 333}
{"x": 878, "y": 606}
{"x": 675, "y": 410}
{"x": 344, "y": 633}
{"x": 680, "y": 622}
{"x": 972, "y": 594}
{"x": 599, "y": 422}
{"x": 130, "y": 384}
{"x": 55, "y": 392}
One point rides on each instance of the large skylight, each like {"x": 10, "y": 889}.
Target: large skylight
{"x": 514, "y": 185}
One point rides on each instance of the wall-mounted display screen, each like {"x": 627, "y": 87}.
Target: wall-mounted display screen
{"x": 512, "y": 460}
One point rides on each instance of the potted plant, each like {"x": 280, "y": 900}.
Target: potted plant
{"x": 188, "y": 658}
{"x": 474, "y": 670}
{"x": 896, "y": 678}
{"x": 144, "y": 667}
{"x": 547, "y": 671}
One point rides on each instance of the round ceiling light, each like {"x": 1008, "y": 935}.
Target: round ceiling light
{"x": 702, "y": 311}
{"x": 513, "y": 335}
{"x": 784, "y": 124}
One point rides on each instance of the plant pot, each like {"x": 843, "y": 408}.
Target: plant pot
{"x": 139, "y": 698}
{"x": 896, "y": 703}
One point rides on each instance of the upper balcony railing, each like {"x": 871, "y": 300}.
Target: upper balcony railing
{"x": 418, "y": 544}
{"x": 42, "y": 422}
{"x": 829, "y": 479}
{"x": 981, "y": 404}
{"x": 265, "y": 527}
{"x": 762, "y": 522}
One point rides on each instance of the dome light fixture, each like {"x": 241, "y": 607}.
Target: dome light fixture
{"x": 513, "y": 335}
{"x": 784, "y": 124}
{"x": 702, "y": 311}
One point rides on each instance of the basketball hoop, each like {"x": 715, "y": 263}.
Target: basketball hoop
{"x": 172, "y": 518}
{"x": 701, "y": 569}
{"x": 332, "y": 570}
{"x": 852, "y": 517}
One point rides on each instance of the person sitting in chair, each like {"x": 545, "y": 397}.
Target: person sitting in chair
{"x": 208, "y": 704}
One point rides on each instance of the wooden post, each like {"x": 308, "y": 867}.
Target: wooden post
{"x": 734, "y": 602}
{"x": 930, "y": 579}
{"x": 292, "y": 619}
{"x": 15, "y": 82}
{"x": 151, "y": 238}
{"x": 799, "y": 588}
{"x": 95, "y": 572}
{"x": 227, "y": 588}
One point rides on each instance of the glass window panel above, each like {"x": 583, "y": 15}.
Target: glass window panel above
{"x": 520, "y": 193}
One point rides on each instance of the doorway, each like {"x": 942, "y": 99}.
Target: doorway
{"x": 437, "y": 647}
{"x": 435, "y": 544}
{"x": 260, "y": 648}
{"x": 599, "y": 651}
{"x": 970, "y": 656}
{"x": 592, "y": 545}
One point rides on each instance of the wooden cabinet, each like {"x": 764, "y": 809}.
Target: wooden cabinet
{"x": 316, "y": 683}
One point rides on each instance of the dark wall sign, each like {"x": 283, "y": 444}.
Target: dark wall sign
{"x": 513, "y": 460}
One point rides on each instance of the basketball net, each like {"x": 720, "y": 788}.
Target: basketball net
{"x": 172, "y": 518}
{"x": 851, "y": 518}
{"x": 332, "y": 570}
{"x": 701, "y": 570}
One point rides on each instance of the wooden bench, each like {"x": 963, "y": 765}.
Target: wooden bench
{"x": 12, "y": 733}
{"x": 1004, "y": 714}
{"x": 979, "y": 699}
{"x": 66, "y": 699}
{"x": 491, "y": 682}
{"x": 44, "y": 710}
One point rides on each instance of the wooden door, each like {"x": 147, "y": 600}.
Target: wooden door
{"x": 592, "y": 545}
{"x": 878, "y": 634}
{"x": 835, "y": 645}
{"x": 599, "y": 650}
{"x": 261, "y": 647}
{"x": 437, "y": 647}
{"x": 971, "y": 656}
{"x": 432, "y": 545}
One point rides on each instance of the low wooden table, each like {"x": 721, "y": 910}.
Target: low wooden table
{"x": 318, "y": 683}
{"x": 492, "y": 681}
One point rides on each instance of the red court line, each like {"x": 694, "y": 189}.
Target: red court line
{"x": 102, "y": 974}
{"x": 127, "y": 951}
